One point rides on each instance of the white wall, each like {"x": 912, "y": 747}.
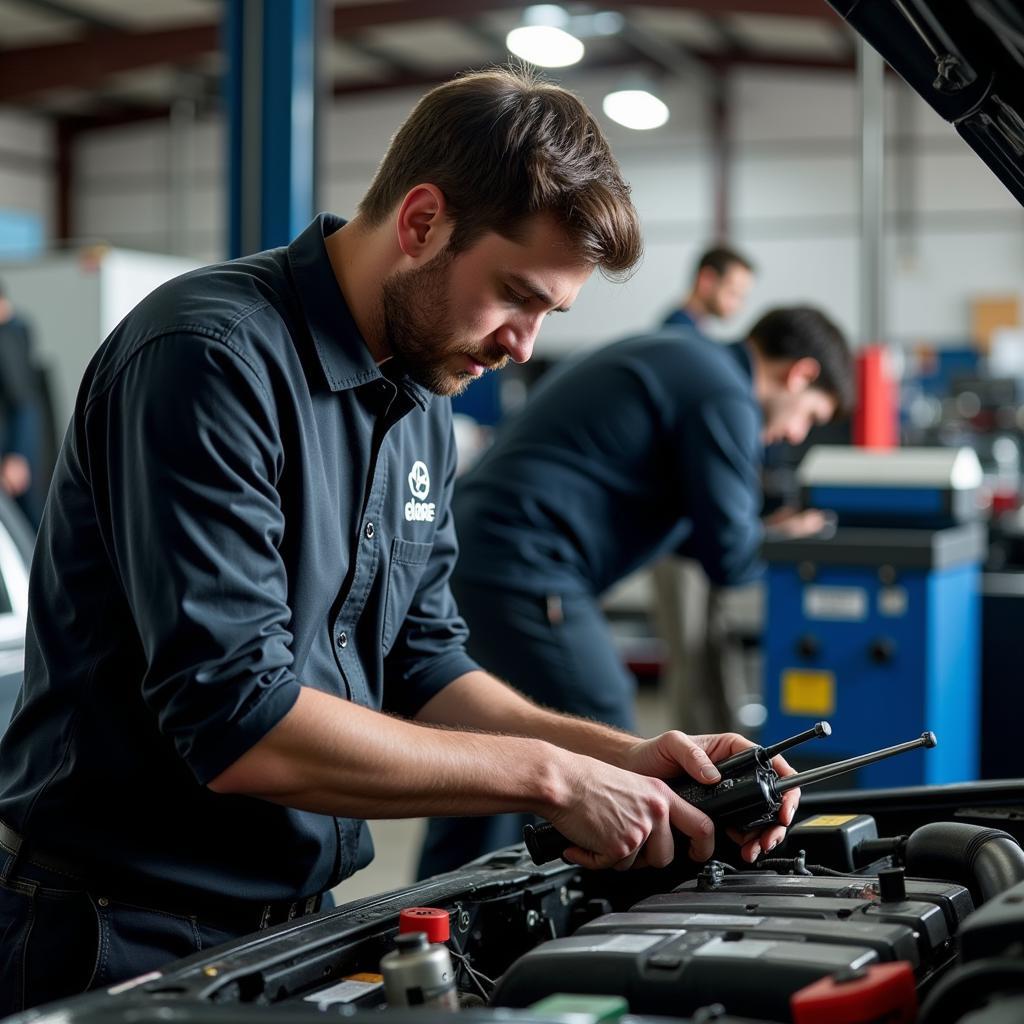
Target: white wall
{"x": 26, "y": 165}
{"x": 74, "y": 300}
{"x": 953, "y": 230}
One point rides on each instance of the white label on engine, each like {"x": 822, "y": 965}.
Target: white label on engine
{"x": 751, "y": 948}
{"x": 343, "y": 992}
{"x": 837, "y": 603}
{"x": 696, "y": 920}
{"x": 607, "y": 943}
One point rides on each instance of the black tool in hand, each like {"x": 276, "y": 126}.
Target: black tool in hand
{"x": 749, "y": 795}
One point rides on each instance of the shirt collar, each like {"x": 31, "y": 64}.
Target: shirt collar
{"x": 340, "y": 347}
{"x": 681, "y": 317}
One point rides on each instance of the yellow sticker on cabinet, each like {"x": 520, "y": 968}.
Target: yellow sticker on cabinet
{"x": 808, "y": 693}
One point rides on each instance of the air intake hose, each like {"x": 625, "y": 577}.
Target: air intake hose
{"x": 987, "y": 861}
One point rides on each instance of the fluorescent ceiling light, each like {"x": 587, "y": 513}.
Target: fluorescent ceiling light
{"x": 545, "y": 45}
{"x": 635, "y": 108}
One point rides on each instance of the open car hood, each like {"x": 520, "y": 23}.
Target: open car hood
{"x": 966, "y": 58}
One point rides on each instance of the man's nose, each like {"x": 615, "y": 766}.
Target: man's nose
{"x": 517, "y": 337}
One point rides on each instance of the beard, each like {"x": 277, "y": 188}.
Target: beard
{"x": 417, "y": 328}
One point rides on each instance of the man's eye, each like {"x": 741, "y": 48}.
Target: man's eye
{"x": 517, "y": 299}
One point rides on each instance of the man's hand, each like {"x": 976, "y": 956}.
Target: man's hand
{"x": 675, "y": 753}
{"x": 791, "y": 522}
{"x": 620, "y": 819}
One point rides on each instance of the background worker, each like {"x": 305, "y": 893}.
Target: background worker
{"x": 20, "y": 412}
{"x": 648, "y": 446}
{"x": 722, "y": 280}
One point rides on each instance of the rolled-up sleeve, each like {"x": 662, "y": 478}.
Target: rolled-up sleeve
{"x": 429, "y": 649}
{"x": 192, "y": 455}
{"x": 719, "y": 467}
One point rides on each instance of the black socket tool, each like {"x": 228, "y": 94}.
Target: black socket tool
{"x": 749, "y": 795}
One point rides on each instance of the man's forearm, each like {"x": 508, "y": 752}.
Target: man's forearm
{"x": 478, "y": 700}
{"x": 333, "y": 757}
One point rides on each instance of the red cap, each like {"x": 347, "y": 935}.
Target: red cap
{"x": 432, "y": 920}
{"x": 877, "y": 992}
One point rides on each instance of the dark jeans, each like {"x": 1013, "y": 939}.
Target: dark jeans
{"x": 556, "y": 649}
{"x": 58, "y": 939}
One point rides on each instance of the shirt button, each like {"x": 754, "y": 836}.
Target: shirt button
{"x": 343, "y": 639}
{"x": 370, "y": 531}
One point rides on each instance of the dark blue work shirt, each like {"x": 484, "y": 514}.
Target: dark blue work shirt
{"x": 682, "y": 317}
{"x": 244, "y": 502}
{"x": 649, "y": 445}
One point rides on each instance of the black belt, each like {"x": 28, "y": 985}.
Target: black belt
{"x": 225, "y": 913}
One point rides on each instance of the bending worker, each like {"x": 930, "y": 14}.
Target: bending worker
{"x": 244, "y": 560}
{"x": 648, "y": 446}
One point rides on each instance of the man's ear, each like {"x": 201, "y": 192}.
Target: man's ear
{"x": 422, "y": 226}
{"x": 801, "y": 374}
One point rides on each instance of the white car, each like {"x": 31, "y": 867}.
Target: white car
{"x": 16, "y": 543}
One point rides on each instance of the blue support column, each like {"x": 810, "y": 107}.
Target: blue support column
{"x": 271, "y": 104}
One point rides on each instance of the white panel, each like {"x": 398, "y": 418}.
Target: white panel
{"x": 133, "y": 149}
{"x": 119, "y": 215}
{"x": 775, "y": 106}
{"x": 960, "y": 181}
{"x": 801, "y": 186}
{"x": 341, "y": 195}
{"x": 931, "y": 287}
{"x": 28, "y": 191}
{"x": 208, "y": 149}
{"x": 24, "y": 133}
{"x": 128, "y": 277}
{"x": 668, "y": 188}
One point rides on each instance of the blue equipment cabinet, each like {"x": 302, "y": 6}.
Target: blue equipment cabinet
{"x": 876, "y": 624}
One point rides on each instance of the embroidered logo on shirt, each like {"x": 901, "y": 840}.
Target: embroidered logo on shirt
{"x": 418, "y": 510}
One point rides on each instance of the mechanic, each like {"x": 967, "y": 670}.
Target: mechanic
{"x": 241, "y": 640}
{"x": 648, "y": 446}
{"x": 722, "y": 279}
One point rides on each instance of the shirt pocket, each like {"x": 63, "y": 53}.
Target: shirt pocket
{"x": 408, "y": 559}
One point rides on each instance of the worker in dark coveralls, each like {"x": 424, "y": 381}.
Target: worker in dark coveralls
{"x": 21, "y": 412}
{"x": 649, "y": 446}
{"x": 241, "y": 638}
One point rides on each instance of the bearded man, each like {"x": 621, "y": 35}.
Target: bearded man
{"x": 241, "y": 638}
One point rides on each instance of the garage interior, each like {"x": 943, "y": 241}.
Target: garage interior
{"x": 140, "y": 142}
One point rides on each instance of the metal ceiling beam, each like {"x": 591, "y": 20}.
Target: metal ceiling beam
{"x": 357, "y": 17}
{"x": 84, "y": 63}
{"x": 70, "y": 11}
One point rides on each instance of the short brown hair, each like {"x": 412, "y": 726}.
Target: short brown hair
{"x": 800, "y": 332}
{"x": 503, "y": 145}
{"x": 720, "y": 258}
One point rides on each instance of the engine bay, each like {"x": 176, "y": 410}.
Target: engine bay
{"x": 900, "y": 905}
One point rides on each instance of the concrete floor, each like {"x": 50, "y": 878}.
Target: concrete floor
{"x": 398, "y": 842}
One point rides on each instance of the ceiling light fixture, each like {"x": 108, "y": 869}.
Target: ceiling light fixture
{"x": 639, "y": 109}
{"x": 543, "y": 40}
